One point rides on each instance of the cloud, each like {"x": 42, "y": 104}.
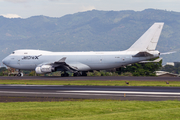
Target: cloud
{"x": 87, "y": 8}
{"x": 11, "y": 16}
{"x": 24, "y": 1}
{"x": 16, "y": 1}
{"x": 60, "y": 0}
{"x": 53, "y": 0}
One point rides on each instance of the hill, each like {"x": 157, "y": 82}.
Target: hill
{"x": 89, "y": 31}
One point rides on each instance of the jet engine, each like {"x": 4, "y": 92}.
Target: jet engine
{"x": 44, "y": 69}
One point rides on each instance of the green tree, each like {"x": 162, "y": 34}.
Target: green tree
{"x": 32, "y": 73}
{"x": 142, "y": 69}
{"x": 2, "y": 70}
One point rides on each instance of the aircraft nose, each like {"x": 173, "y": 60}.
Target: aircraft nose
{"x": 5, "y": 61}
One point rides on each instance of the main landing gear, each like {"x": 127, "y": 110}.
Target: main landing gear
{"x": 77, "y": 74}
{"x": 84, "y": 73}
{"x": 65, "y": 74}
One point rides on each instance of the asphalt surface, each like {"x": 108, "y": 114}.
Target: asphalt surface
{"x": 92, "y": 78}
{"x": 92, "y": 92}
{"x": 37, "y": 92}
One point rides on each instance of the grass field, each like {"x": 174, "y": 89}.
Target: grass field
{"x": 92, "y": 82}
{"x": 91, "y": 110}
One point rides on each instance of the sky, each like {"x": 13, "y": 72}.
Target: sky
{"x": 59, "y": 8}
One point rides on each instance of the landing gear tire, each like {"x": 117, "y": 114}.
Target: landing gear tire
{"x": 77, "y": 74}
{"x": 20, "y": 74}
{"x": 84, "y": 73}
{"x": 65, "y": 75}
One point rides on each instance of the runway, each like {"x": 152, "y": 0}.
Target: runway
{"x": 91, "y": 78}
{"x": 92, "y": 92}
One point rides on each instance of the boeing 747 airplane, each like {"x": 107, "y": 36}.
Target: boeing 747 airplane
{"x": 81, "y": 62}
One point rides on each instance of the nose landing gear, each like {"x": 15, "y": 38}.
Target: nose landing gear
{"x": 20, "y": 74}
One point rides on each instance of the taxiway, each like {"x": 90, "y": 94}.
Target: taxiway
{"x": 91, "y": 78}
{"x": 92, "y": 92}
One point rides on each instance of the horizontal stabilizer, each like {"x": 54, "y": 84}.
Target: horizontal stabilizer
{"x": 155, "y": 61}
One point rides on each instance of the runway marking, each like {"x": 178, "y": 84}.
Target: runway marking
{"x": 85, "y": 94}
{"x": 116, "y": 92}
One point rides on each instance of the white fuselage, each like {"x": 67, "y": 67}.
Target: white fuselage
{"x": 84, "y": 61}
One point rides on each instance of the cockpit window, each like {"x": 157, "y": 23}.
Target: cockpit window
{"x": 13, "y": 52}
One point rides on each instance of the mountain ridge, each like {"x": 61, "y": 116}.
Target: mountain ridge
{"x": 89, "y": 31}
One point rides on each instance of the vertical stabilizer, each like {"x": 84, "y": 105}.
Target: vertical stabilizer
{"x": 149, "y": 40}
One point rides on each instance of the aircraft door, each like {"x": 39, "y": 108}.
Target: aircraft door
{"x": 126, "y": 59}
{"x": 123, "y": 59}
{"x": 100, "y": 60}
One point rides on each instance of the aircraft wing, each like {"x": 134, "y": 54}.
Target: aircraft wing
{"x": 62, "y": 64}
{"x": 72, "y": 67}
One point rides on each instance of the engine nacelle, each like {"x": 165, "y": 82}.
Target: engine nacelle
{"x": 44, "y": 69}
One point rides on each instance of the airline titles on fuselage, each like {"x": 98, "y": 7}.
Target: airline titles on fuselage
{"x": 30, "y": 57}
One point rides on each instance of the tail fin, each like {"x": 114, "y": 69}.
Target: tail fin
{"x": 149, "y": 40}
